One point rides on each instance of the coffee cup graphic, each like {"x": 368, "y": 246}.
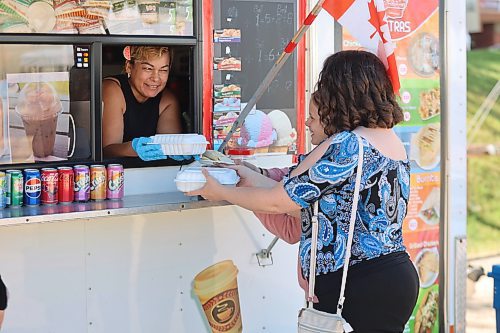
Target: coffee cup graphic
{"x": 217, "y": 289}
{"x": 39, "y": 107}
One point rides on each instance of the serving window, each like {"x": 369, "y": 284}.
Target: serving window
{"x": 180, "y": 84}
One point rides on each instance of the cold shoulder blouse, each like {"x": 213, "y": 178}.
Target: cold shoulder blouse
{"x": 383, "y": 201}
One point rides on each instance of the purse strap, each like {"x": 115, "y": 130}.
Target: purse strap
{"x": 314, "y": 240}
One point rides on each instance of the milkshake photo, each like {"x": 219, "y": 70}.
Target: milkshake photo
{"x": 38, "y": 117}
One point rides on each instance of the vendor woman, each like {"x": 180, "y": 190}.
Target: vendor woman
{"x": 137, "y": 105}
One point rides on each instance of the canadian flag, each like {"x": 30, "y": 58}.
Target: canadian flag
{"x": 367, "y": 22}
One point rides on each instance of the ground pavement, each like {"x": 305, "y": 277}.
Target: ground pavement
{"x": 480, "y": 312}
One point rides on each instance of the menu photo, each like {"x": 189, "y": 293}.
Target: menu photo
{"x": 425, "y": 202}
{"x": 227, "y": 90}
{"x": 420, "y": 101}
{"x": 227, "y": 36}
{"x": 38, "y": 117}
{"x": 423, "y": 248}
{"x": 423, "y": 146}
{"x": 227, "y": 64}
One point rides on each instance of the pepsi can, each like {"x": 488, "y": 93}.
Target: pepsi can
{"x": 32, "y": 187}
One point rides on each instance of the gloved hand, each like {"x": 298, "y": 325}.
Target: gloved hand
{"x": 147, "y": 152}
{"x": 180, "y": 157}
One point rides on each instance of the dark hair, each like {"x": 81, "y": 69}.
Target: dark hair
{"x": 354, "y": 90}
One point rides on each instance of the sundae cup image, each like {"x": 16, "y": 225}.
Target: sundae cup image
{"x": 286, "y": 134}
{"x": 217, "y": 289}
{"x": 227, "y": 119}
{"x": 257, "y": 132}
{"x": 227, "y": 104}
{"x": 149, "y": 11}
{"x": 395, "y": 9}
{"x": 39, "y": 107}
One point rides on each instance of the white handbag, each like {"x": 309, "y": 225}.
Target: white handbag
{"x": 315, "y": 321}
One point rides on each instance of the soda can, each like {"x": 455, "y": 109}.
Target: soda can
{"x": 50, "y": 186}
{"x": 16, "y": 188}
{"x": 115, "y": 186}
{"x": 82, "y": 183}
{"x": 32, "y": 187}
{"x": 97, "y": 182}
{"x": 66, "y": 190}
{"x": 3, "y": 190}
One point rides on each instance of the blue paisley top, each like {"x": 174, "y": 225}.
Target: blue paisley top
{"x": 384, "y": 192}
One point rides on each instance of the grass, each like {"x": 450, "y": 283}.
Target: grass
{"x": 483, "y": 214}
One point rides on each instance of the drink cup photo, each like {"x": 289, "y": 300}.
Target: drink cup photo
{"x": 217, "y": 290}
{"x": 39, "y": 107}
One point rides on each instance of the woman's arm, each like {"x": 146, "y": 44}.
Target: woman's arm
{"x": 170, "y": 115}
{"x": 112, "y": 121}
{"x": 269, "y": 200}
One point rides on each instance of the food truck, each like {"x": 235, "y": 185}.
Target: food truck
{"x": 159, "y": 261}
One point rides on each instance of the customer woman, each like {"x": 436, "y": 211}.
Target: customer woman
{"x": 354, "y": 97}
{"x": 137, "y": 104}
{"x": 3, "y": 300}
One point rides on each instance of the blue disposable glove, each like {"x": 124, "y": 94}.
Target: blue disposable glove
{"x": 180, "y": 157}
{"x": 147, "y": 151}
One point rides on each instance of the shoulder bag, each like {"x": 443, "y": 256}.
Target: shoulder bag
{"x": 315, "y": 321}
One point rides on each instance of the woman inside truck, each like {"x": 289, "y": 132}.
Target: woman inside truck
{"x": 138, "y": 105}
{"x": 354, "y": 98}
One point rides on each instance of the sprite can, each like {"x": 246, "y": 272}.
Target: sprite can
{"x": 16, "y": 183}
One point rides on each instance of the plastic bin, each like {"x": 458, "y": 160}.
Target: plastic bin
{"x": 495, "y": 274}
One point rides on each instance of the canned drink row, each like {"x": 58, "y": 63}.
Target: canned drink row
{"x": 50, "y": 186}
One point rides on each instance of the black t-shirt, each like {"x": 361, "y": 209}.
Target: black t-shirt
{"x": 3, "y": 295}
{"x": 139, "y": 119}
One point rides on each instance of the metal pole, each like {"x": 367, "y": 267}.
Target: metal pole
{"x": 273, "y": 72}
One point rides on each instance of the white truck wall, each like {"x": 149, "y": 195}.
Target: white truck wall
{"x": 455, "y": 155}
{"x": 135, "y": 273}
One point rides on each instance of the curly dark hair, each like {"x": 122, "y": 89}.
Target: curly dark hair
{"x": 354, "y": 90}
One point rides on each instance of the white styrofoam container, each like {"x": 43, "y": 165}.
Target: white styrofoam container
{"x": 181, "y": 144}
{"x": 192, "y": 178}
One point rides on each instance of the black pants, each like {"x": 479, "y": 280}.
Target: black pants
{"x": 379, "y": 297}
{"x": 3, "y": 295}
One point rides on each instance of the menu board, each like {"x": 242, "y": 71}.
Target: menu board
{"x": 116, "y": 17}
{"x": 414, "y": 27}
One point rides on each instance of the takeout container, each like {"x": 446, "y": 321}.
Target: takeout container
{"x": 192, "y": 178}
{"x": 181, "y": 144}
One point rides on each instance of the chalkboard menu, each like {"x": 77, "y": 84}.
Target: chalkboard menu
{"x": 266, "y": 28}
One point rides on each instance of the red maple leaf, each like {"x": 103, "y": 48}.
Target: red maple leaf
{"x": 376, "y": 20}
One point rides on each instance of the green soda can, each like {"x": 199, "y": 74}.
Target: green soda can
{"x": 3, "y": 190}
{"x": 16, "y": 187}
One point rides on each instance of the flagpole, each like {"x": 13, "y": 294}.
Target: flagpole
{"x": 273, "y": 71}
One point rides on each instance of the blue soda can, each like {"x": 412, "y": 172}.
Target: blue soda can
{"x": 32, "y": 187}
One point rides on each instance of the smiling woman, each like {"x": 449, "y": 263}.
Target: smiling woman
{"x": 138, "y": 105}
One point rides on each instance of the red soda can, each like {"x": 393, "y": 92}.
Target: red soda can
{"x": 66, "y": 184}
{"x": 97, "y": 182}
{"x": 82, "y": 183}
{"x": 115, "y": 186}
{"x": 50, "y": 184}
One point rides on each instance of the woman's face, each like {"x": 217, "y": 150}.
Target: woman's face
{"x": 315, "y": 127}
{"x": 149, "y": 77}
